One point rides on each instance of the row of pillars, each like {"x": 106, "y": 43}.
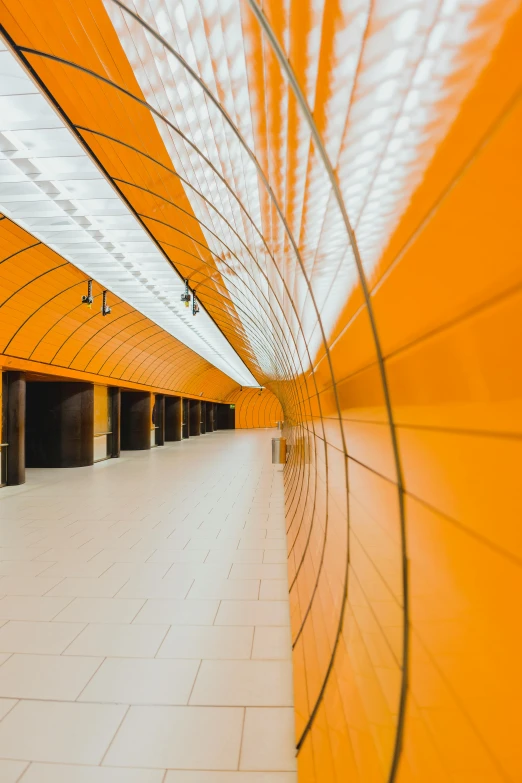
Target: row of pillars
{"x": 51, "y": 424}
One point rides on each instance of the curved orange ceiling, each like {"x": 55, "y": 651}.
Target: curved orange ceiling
{"x": 45, "y": 327}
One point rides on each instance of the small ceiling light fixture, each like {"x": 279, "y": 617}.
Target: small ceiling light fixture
{"x": 195, "y": 306}
{"x": 89, "y": 299}
{"x": 186, "y": 296}
{"x": 106, "y": 310}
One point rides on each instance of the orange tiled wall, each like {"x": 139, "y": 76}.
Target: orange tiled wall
{"x": 423, "y": 496}
{"x": 255, "y": 408}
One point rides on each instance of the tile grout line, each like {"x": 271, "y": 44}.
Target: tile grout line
{"x": 22, "y": 774}
{"x": 85, "y": 625}
{"x": 194, "y": 685}
{"x": 90, "y": 678}
{"x": 115, "y": 735}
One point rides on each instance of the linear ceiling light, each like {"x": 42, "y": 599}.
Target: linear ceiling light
{"x": 52, "y": 188}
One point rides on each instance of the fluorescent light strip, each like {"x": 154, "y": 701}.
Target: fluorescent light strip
{"x": 52, "y": 188}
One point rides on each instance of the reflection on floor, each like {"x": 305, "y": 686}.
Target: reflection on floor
{"x": 144, "y": 625}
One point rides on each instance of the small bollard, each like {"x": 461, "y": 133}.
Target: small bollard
{"x": 278, "y": 451}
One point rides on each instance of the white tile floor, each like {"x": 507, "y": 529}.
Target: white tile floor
{"x": 144, "y": 622}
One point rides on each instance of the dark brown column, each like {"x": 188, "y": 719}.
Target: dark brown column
{"x": 59, "y": 424}
{"x": 210, "y": 416}
{"x": 14, "y": 453}
{"x": 159, "y": 420}
{"x": 135, "y": 420}
{"x": 115, "y": 403}
{"x": 203, "y": 417}
{"x": 194, "y": 417}
{"x": 173, "y": 413}
{"x": 185, "y": 412}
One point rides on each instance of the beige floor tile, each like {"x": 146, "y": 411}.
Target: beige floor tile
{"x": 10, "y": 771}
{"x": 63, "y": 732}
{"x": 142, "y": 681}
{"x": 178, "y": 612}
{"x": 68, "y": 555}
{"x": 199, "y": 570}
{"x": 225, "y": 589}
{"x": 118, "y": 640}
{"x": 244, "y": 683}
{"x": 147, "y": 587}
{"x": 138, "y": 570}
{"x": 228, "y": 520}
{"x": 272, "y": 643}
{"x": 90, "y": 570}
{"x": 259, "y": 571}
{"x": 23, "y": 568}
{"x": 27, "y": 585}
{"x": 244, "y": 534}
{"x": 273, "y": 590}
{"x": 183, "y": 556}
{"x": 275, "y": 556}
{"x": 230, "y": 556}
{"x": 20, "y": 552}
{"x": 6, "y": 705}
{"x": 213, "y": 544}
{"x": 189, "y": 776}
{"x": 205, "y": 738}
{"x": 265, "y": 543}
{"x": 89, "y": 587}
{"x": 268, "y": 739}
{"x": 45, "y": 676}
{"x": 17, "y": 607}
{"x": 253, "y": 613}
{"x": 99, "y": 610}
{"x": 43, "y": 638}
{"x": 137, "y": 554}
{"x": 207, "y": 641}
{"x": 65, "y": 773}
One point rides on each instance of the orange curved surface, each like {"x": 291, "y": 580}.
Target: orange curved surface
{"x": 374, "y": 287}
{"x": 45, "y": 327}
{"x": 255, "y": 408}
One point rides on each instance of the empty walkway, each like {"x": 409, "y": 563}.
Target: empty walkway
{"x": 144, "y": 619}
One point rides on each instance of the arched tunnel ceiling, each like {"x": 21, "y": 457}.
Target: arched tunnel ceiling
{"x": 53, "y": 188}
{"x": 189, "y": 113}
{"x": 44, "y": 326}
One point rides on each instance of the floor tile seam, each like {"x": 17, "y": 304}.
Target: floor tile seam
{"x": 162, "y": 643}
{"x": 59, "y": 582}
{"x": 9, "y": 656}
{"x": 152, "y": 705}
{"x": 85, "y": 766}
{"x": 62, "y": 609}
{"x": 11, "y": 708}
{"x": 185, "y": 597}
{"x": 217, "y": 613}
{"x": 102, "y": 655}
{"x": 139, "y": 610}
{"x": 114, "y": 735}
{"x": 102, "y": 661}
{"x": 27, "y": 765}
{"x": 194, "y": 682}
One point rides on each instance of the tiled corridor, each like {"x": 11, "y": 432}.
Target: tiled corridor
{"x": 144, "y": 625}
